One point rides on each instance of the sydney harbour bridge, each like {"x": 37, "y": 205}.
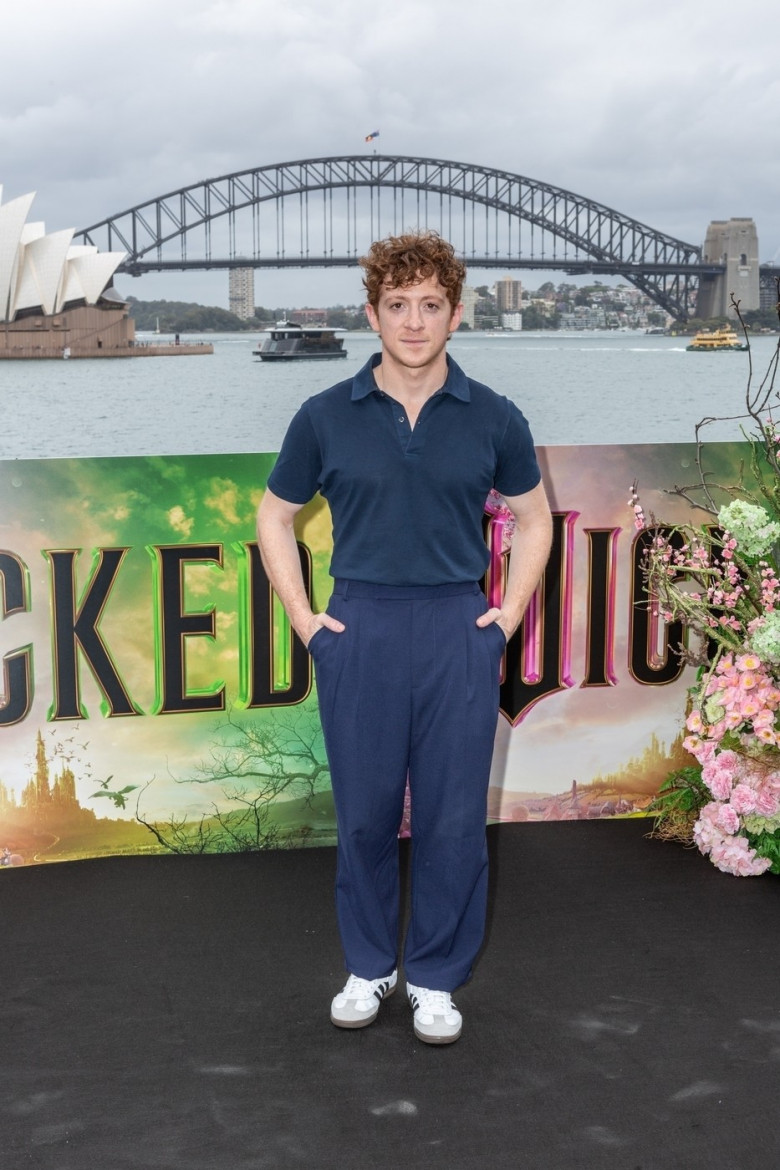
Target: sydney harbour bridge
{"x": 324, "y": 212}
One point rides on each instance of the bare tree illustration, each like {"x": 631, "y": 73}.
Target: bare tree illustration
{"x": 257, "y": 762}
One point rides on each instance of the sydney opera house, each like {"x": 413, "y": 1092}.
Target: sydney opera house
{"x": 56, "y": 297}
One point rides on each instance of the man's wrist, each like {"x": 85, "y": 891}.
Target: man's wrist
{"x": 304, "y": 625}
{"x": 509, "y": 620}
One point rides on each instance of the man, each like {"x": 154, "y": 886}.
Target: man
{"x": 407, "y": 656}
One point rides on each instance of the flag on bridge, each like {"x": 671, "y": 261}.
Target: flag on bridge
{"x": 370, "y": 137}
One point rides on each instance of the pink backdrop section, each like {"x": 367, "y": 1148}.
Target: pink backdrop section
{"x": 603, "y": 728}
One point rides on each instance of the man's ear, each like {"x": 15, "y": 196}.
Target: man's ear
{"x": 373, "y": 320}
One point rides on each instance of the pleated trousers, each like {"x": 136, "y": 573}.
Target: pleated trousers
{"x": 410, "y": 689}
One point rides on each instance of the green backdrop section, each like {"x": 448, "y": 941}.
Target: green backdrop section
{"x": 153, "y": 698}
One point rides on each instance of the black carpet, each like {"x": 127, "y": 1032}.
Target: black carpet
{"x": 172, "y": 1013}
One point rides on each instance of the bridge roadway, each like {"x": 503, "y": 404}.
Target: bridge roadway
{"x": 573, "y": 267}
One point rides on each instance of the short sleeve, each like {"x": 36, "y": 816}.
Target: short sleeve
{"x": 517, "y": 469}
{"x": 296, "y": 473}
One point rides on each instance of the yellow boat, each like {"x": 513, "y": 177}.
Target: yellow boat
{"x": 715, "y": 340}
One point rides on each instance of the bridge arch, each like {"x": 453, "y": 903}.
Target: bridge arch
{"x": 323, "y": 212}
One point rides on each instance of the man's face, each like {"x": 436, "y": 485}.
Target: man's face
{"x": 414, "y": 322}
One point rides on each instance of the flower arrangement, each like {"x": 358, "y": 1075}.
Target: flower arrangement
{"x": 720, "y": 580}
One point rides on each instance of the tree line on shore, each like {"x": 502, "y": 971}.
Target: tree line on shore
{"x": 190, "y": 317}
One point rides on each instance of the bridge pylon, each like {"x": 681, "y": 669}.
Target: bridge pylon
{"x": 732, "y": 243}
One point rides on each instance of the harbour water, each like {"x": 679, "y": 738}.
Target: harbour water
{"x": 583, "y": 388}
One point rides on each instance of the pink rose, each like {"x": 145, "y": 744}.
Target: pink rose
{"x": 743, "y": 799}
{"x": 728, "y": 820}
{"x": 720, "y": 785}
{"x": 767, "y": 802}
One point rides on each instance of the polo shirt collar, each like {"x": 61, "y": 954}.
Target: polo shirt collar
{"x": 457, "y": 384}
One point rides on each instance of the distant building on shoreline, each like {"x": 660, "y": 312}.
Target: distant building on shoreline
{"x": 509, "y": 295}
{"x": 469, "y": 297}
{"x": 241, "y": 292}
{"x": 308, "y": 316}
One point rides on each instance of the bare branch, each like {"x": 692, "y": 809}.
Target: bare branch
{"x": 257, "y": 763}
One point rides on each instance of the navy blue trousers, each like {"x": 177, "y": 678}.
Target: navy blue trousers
{"x": 410, "y": 688}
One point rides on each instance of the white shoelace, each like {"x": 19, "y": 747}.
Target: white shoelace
{"x": 438, "y": 1003}
{"x": 357, "y": 988}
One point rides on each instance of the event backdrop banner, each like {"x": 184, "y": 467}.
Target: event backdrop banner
{"x": 154, "y": 699}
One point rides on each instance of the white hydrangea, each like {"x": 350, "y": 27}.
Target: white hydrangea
{"x": 751, "y": 527}
{"x": 765, "y": 638}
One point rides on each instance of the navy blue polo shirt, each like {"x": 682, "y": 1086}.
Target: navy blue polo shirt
{"x": 407, "y": 504}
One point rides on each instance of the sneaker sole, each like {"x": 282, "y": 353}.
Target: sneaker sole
{"x": 364, "y": 1022}
{"x": 437, "y": 1039}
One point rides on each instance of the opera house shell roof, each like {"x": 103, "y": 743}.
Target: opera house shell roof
{"x": 44, "y": 273}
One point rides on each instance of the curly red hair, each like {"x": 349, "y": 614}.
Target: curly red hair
{"x": 398, "y": 261}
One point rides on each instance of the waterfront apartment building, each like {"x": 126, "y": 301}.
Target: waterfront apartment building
{"x": 241, "y": 294}
{"x": 509, "y": 295}
{"x": 469, "y": 297}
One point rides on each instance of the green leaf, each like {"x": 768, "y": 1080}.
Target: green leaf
{"x": 682, "y": 791}
{"x": 767, "y": 845}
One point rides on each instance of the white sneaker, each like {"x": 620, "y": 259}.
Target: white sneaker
{"x": 436, "y": 1019}
{"x": 358, "y": 1004}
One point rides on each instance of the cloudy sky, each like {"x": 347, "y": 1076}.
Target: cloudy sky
{"x": 667, "y": 112}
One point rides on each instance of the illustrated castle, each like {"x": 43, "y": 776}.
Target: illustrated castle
{"x": 44, "y": 798}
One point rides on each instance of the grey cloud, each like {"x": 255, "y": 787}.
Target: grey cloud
{"x": 668, "y": 115}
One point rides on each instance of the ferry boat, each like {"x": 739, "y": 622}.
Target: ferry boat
{"x": 716, "y": 339}
{"x": 291, "y": 342}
